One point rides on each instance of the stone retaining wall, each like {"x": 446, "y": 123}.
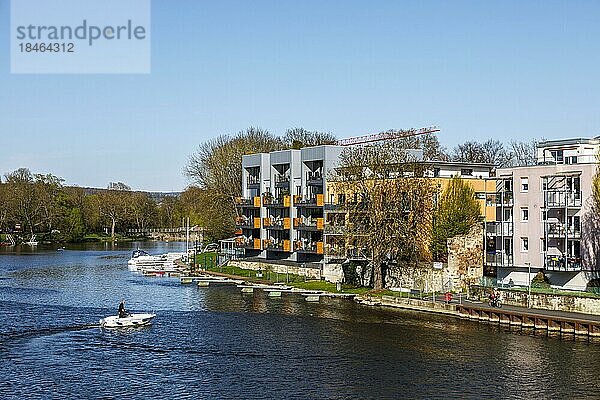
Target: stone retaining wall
{"x": 542, "y": 301}
{"x": 313, "y": 273}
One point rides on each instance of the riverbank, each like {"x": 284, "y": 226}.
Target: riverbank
{"x": 568, "y": 324}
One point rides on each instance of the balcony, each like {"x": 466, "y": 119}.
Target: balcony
{"x": 335, "y": 208}
{"x": 335, "y": 252}
{"x": 557, "y": 230}
{"x": 277, "y": 245}
{"x": 499, "y": 229}
{"x": 308, "y": 247}
{"x": 277, "y": 202}
{"x": 245, "y": 222}
{"x": 335, "y": 229}
{"x": 314, "y": 178}
{"x": 358, "y": 254}
{"x": 247, "y": 203}
{"x": 562, "y": 263}
{"x": 282, "y": 181}
{"x": 309, "y": 224}
{"x": 247, "y": 243}
{"x": 499, "y": 259}
{"x": 277, "y": 223}
{"x": 504, "y": 199}
{"x": 562, "y": 198}
{"x": 253, "y": 182}
{"x": 316, "y": 201}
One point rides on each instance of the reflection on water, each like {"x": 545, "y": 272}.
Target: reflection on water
{"x": 218, "y": 343}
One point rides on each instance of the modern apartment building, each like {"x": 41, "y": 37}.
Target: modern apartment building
{"x": 477, "y": 175}
{"x": 290, "y": 210}
{"x": 281, "y": 212}
{"x": 544, "y": 217}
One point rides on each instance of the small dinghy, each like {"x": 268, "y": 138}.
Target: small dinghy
{"x": 131, "y": 320}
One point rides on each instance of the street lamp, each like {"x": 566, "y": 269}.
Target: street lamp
{"x": 528, "y": 284}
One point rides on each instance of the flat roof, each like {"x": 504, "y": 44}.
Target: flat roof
{"x": 566, "y": 142}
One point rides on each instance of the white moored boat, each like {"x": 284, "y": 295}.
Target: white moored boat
{"x": 148, "y": 264}
{"x": 131, "y": 320}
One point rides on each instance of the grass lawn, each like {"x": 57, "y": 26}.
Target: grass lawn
{"x": 297, "y": 281}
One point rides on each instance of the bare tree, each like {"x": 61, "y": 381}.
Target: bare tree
{"x": 217, "y": 163}
{"x": 216, "y": 168}
{"x": 489, "y": 152}
{"x": 389, "y": 207}
{"x": 297, "y": 138}
{"x": 524, "y": 153}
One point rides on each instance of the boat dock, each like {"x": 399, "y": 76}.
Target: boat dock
{"x": 251, "y": 286}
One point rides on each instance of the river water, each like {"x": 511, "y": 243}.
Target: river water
{"x": 216, "y": 343}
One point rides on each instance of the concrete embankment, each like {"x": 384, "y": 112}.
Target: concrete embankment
{"x": 410, "y": 304}
{"x": 563, "y": 323}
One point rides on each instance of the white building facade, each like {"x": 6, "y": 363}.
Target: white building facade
{"x": 545, "y": 218}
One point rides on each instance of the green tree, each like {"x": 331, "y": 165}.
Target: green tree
{"x": 113, "y": 204}
{"x": 24, "y": 204}
{"x": 142, "y": 210}
{"x": 456, "y": 212}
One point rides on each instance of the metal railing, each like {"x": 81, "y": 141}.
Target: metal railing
{"x": 562, "y": 263}
{"x": 561, "y": 198}
{"x": 499, "y": 259}
{"x": 499, "y": 228}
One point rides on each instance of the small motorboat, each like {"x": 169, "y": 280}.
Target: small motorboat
{"x": 131, "y": 320}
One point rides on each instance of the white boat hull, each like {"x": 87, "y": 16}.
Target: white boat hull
{"x": 132, "y": 320}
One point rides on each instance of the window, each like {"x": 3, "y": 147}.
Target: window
{"x": 571, "y": 160}
{"x": 543, "y": 246}
{"x": 466, "y": 171}
{"x": 524, "y": 244}
{"x": 524, "y": 184}
{"x": 524, "y": 214}
{"x": 544, "y": 184}
{"x": 557, "y": 155}
{"x": 544, "y": 215}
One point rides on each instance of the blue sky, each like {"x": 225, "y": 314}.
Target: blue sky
{"x": 479, "y": 70}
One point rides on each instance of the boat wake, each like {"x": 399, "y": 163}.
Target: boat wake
{"x": 33, "y": 333}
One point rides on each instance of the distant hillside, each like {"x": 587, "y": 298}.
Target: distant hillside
{"x": 156, "y": 196}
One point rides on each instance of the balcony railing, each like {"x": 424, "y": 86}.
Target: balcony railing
{"x": 562, "y": 263}
{"x": 277, "y": 223}
{"x": 561, "y": 198}
{"x": 557, "y": 230}
{"x": 309, "y": 223}
{"x": 247, "y": 243}
{"x": 242, "y": 202}
{"x": 282, "y": 180}
{"x": 499, "y": 259}
{"x": 335, "y": 229}
{"x": 308, "y": 247}
{"x": 247, "y": 222}
{"x": 317, "y": 200}
{"x": 277, "y": 245}
{"x": 499, "y": 228}
{"x": 335, "y": 252}
{"x": 504, "y": 199}
{"x": 283, "y": 201}
{"x": 253, "y": 181}
{"x": 314, "y": 177}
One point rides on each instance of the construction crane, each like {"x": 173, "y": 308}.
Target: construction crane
{"x": 389, "y": 135}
